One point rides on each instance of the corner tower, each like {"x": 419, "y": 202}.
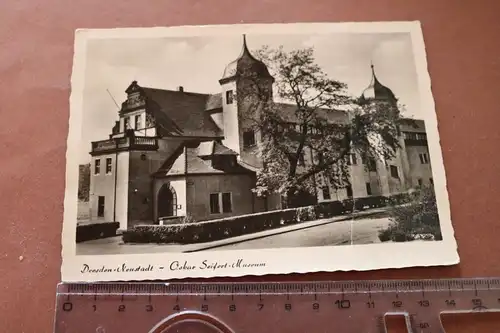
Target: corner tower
{"x": 392, "y": 174}
{"x": 246, "y": 87}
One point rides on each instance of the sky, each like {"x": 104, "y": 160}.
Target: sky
{"x": 197, "y": 63}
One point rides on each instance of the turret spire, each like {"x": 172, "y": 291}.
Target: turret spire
{"x": 245, "y": 50}
{"x": 374, "y": 77}
{"x": 377, "y": 90}
{"x": 246, "y": 63}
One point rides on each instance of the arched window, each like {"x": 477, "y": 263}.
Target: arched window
{"x": 167, "y": 201}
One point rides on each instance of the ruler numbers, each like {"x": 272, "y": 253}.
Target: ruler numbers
{"x": 421, "y": 301}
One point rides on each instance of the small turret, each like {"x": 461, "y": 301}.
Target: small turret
{"x": 376, "y": 91}
{"x": 246, "y": 63}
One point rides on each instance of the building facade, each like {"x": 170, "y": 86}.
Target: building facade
{"x": 174, "y": 153}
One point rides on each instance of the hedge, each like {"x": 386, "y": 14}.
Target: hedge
{"x": 213, "y": 230}
{"x": 93, "y": 231}
{"x": 185, "y": 231}
{"x": 176, "y": 220}
{"x": 336, "y": 208}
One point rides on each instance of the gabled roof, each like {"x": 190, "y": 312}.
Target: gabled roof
{"x": 174, "y": 164}
{"x": 180, "y": 113}
{"x": 214, "y": 148}
{"x": 220, "y": 149}
{"x": 214, "y": 102}
{"x": 195, "y": 165}
{"x": 189, "y": 160}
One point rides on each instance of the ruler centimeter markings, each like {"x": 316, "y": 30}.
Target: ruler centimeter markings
{"x": 292, "y": 307}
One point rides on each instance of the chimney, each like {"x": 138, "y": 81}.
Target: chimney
{"x": 180, "y": 88}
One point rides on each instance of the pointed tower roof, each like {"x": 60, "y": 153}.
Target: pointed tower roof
{"x": 133, "y": 87}
{"x": 377, "y": 91}
{"x": 246, "y": 63}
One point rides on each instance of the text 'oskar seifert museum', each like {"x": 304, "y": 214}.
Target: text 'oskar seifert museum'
{"x": 176, "y": 153}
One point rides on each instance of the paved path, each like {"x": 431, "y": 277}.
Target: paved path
{"x": 332, "y": 231}
{"x": 364, "y": 231}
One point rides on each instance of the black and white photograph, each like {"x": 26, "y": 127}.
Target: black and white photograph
{"x": 253, "y": 149}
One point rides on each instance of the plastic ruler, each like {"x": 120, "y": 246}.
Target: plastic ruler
{"x": 291, "y": 307}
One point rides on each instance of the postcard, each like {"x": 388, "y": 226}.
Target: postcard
{"x": 234, "y": 150}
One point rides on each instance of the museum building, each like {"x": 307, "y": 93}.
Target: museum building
{"x": 174, "y": 153}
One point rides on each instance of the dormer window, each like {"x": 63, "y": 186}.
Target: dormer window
{"x": 248, "y": 138}
{"x": 229, "y": 97}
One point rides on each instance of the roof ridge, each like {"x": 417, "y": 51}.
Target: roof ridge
{"x": 177, "y": 91}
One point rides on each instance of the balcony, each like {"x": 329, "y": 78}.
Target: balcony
{"x": 123, "y": 144}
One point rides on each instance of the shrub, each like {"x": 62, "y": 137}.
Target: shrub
{"x": 305, "y": 214}
{"x": 154, "y": 234}
{"x": 206, "y": 231}
{"x": 93, "y": 231}
{"x": 188, "y": 219}
{"x": 329, "y": 209}
{"x": 413, "y": 216}
{"x": 370, "y": 202}
{"x": 385, "y": 235}
{"x": 177, "y": 219}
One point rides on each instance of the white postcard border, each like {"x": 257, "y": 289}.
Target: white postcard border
{"x": 154, "y": 266}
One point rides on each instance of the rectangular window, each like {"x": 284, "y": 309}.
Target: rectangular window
{"x": 326, "y": 192}
{"x": 248, "y": 138}
{"x": 372, "y": 166}
{"x": 126, "y": 123}
{"x": 229, "y": 97}
{"x": 352, "y": 159}
{"x": 227, "y": 205}
{"x": 302, "y": 160}
{"x": 138, "y": 122}
{"x": 214, "y": 203}
{"x": 108, "y": 165}
{"x": 321, "y": 158}
{"x": 424, "y": 158}
{"x": 349, "y": 191}
{"x": 97, "y": 167}
{"x": 394, "y": 171}
{"x": 420, "y": 182}
{"x": 368, "y": 189}
{"x": 218, "y": 200}
{"x": 100, "y": 206}
{"x": 363, "y": 159}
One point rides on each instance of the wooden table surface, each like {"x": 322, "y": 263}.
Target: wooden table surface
{"x": 36, "y": 50}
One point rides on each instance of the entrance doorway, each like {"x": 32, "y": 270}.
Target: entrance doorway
{"x": 167, "y": 202}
